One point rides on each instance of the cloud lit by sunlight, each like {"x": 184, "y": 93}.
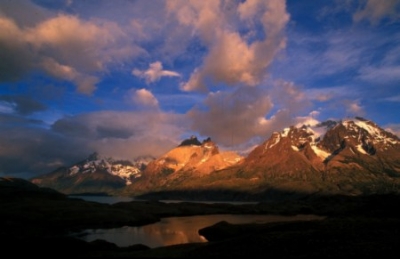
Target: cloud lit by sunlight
{"x": 145, "y": 98}
{"x": 132, "y": 78}
{"x": 154, "y": 73}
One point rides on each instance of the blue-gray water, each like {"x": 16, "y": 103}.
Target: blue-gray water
{"x": 114, "y": 199}
{"x": 103, "y": 199}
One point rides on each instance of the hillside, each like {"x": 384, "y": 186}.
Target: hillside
{"x": 349, "y": 157}
{"x": 344, "y": 157}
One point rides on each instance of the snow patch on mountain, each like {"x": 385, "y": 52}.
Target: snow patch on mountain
{"x": 125, "y": 169}
{"x": 361, "y": 150}
{"x": 285, "y": 132}
{"x": 376, "y": 134}
{"x": 365, "y": 135}
{"x": 320, "y": 153}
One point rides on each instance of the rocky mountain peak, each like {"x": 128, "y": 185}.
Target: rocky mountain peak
{"x": 93, "y": 157}
{"x": 344, "y": 145}
{"x": 194, "y": 141}
{"x": 331, "y": 136}
{"x": 128, "y": 170}
{"x": 190, "y": 141}
{"x": 344, "y": 156}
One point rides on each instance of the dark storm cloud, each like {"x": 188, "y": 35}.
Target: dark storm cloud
{"x": 29, "y": 148}
{"x": 10, "y": 120}
{"x": 110, "y": 132}
{"x": 15, "y": 62}
{"x": 124, "y": 135}
{"x": 95, "y": 127}
{"x": 23, "y": 105}
{"x": 30, "y": 151}
{"x": 69, "y": 126}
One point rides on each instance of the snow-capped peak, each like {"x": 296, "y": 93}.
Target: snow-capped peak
{"x": 125, "y": 169}
{"x": 374, "y": 133}
{"x": 320, "y": 129}
{"x": 363, "y": 135}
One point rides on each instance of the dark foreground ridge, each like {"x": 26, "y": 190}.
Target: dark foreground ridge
{"x": 36, "y": 221}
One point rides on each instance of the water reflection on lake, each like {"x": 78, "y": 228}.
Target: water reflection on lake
{"x": 178, "y": 230}
{"x": 115, "y": 199}
{"x": 103, "y": 199}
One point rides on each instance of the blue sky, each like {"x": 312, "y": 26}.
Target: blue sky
{"x": 130, "y": 78}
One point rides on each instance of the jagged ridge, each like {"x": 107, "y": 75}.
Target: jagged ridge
{"x": 94, "y": 174}
{"x": 352, "y": 157}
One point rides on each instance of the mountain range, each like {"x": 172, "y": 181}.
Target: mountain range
{"x": 351, "y": 156}
{"x": 95, "y": 174}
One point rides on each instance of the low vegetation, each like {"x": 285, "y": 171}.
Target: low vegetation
{"x": 36, "y": 222}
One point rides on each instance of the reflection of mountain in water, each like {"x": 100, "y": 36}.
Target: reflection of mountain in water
{"x": 179, "y": 230}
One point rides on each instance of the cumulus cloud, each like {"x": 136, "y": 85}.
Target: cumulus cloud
{"x": 64, "y": 46}
{"x": 230, "y": 61}
{"x": 309, "y": 120}
{"x": 154, "y": 72}
{"x": 231, "y": 58}
{"x": 375, "y": 10}
{"x": 15, "y": 58}
{"x": 144, "y": 97}
{"x": 124, "y": 134}
{"x": 234, "y": 118}
{"x": 29, "y": 150}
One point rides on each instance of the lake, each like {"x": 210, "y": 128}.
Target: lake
{"x": 178, "y": 230}
{"x": 102, "y": 199}
{"x": 116, "y": 199}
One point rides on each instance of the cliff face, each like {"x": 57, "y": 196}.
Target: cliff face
{"x": 349, "y": 157}
{"x": 181, "y": 167}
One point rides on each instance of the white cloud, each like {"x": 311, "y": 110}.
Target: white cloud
{"x": 144, "y": 97}
{"x": 64, "y": 46}
{"x": 154, "y": 72}
{"x": 231, "y": 59}
{"x": 204, "y": 16}
{"x": 309, "y": 120}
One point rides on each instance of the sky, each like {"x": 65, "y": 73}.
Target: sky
{"x": 128, "y": 78}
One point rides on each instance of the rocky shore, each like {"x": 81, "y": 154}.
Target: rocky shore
{"x": 36, "y": 222}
